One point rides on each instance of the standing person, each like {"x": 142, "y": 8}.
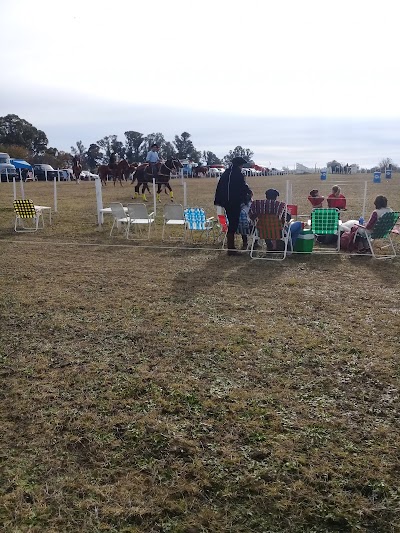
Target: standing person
{"x": 232, "y": 191}
{"x": 336, "y": 200}
{"x": 153, "y": 159}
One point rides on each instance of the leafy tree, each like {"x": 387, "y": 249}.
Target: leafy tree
{"x": 134, "y": 140}
{"x": 80, "y": 150}
{"x": 110, "y": 144}
{"x": 169, "y": 151}
{"x": 246, "y": 153}
{"x": 16, "y": 152}
{"x": 94, "y": 156}
{"x": 20, "y": 132}
{"x": 185, "y": 148}
{"x": 211, "y": 158}
{"x": 149, "y": 140}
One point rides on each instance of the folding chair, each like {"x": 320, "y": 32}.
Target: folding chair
{"x": 223, "y": 224}
{"x": 269, "y": 227}
{"x": 195, "y": 220}
{"x": 139, "y": 216}
{"x": 119, "y": 215}
{"x": 382, "y": 230}
{"x": 326, "y": 222}
{"x": 24, "y": 211}
{"x": 173, "y": 216}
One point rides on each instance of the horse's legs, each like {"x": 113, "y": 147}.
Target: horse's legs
{"x": 171, "y": 194}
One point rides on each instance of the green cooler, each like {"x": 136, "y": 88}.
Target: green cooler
{"x": 305, "y": 242}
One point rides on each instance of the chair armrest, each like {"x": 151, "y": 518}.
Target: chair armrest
{"x": 209, "y": 219}
{"x": 151, "y": 214}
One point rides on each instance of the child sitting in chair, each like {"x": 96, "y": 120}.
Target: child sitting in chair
{"x": 315, "y": 199}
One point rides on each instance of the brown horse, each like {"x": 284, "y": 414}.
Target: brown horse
{"x": 76, "y": 171}
{"x": 119, "y": 171}
{"x": 199, "y": 170}
{"x": 144, "y": 176}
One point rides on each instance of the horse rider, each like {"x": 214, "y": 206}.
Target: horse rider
{"x": 153, "y": 159}
{"x": 112, "y": 162}
{"x": 76, "y": 160}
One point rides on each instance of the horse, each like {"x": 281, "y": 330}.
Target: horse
{"x": 76, "y": 170}
{"x": 199, "y": 170}
{"x": 121, "y": 170}
{"x": 143, "y": 175}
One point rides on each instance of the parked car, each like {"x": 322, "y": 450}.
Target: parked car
{"x": 7, "y": 170}
{"x": 41, "y": 170}
{"x": 87, "y": 176}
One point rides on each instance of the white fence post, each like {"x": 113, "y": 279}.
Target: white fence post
{"x": 185, "y": 194}
{"x": 154, "y": 197}
{"x": 55, "y": 193}
{"x": 365, "y": 199}
{"x": 99, "y": 200}
{"x": 21, "y": 184}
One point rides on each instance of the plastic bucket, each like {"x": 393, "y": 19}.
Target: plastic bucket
{"x": 305, "y": 242}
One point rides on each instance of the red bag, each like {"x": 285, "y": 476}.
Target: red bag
{"x": 347, "y": 240}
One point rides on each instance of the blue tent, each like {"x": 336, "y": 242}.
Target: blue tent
{"x": 20, "y": 163}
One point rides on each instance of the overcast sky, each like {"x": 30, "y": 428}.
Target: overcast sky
{"x": 295, "y": 81}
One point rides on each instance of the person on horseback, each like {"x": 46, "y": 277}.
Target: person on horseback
{"x": 76, "y": 160}
{"x": 153, "y": 159}
{"x": 112, "y": 162}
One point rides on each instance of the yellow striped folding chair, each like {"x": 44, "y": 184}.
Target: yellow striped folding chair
{"x": 25, "y": 213}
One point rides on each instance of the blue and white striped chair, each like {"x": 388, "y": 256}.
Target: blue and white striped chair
{"x": 196, "y": 220}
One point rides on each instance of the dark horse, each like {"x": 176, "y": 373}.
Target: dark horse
{"x": 121, "y": 170}
{"x": 143, "y": 175}
{"x": 76, "y": 170}
{"x": 199, "y": 170}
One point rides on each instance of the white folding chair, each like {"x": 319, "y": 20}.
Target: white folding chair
{"x": 139, "y": 216}
{"x": 173, "y": 216}
{"x": 119, "y": 216}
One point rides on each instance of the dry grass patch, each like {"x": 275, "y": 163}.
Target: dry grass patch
{"x": 185, "y": 391}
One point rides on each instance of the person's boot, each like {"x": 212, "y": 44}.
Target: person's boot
{"x": 230, "y": 237}
{"x": 171, "y": 195}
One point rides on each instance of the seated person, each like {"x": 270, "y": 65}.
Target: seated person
{"x": 273, "y": 206}
{"x": 336, "y": 200}
{"x": 380, "y": 209}
{"x": 315, "y": 199}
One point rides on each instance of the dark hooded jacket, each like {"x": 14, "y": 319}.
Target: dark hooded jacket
{"x": 232, "y": 189}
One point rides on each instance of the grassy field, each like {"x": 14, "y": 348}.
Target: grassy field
{"x": 150, "y": 389}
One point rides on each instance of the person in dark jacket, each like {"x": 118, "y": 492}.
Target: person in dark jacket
{"x": 232, "y": 191}
{"x": 112, "y": 162}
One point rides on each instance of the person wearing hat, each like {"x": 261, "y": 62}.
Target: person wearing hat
{"x": 272, "y": 206}
{"x": 153, "y": 159}
{"x": 315, "y": 199}
{"x": 232, "y": 191}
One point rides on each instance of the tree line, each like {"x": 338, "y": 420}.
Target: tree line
{"x": 22, "y": 140}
